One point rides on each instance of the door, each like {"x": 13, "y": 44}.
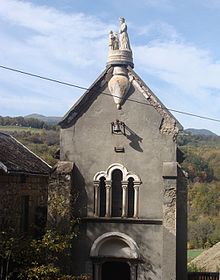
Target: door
{"x": 115, "y": 271}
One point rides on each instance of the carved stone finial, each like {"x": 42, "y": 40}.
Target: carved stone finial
{"x": 119, "y": 48}
{"x": 119, "y": 85}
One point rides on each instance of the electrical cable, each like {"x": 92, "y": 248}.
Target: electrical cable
{"x": 84, "y": 88}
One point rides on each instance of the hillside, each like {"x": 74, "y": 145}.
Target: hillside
{"x": 43, "y": 142}
{"x": 202, "y": 157}
{"x": 203, "y": 132}
{"x": 49, "y": 120}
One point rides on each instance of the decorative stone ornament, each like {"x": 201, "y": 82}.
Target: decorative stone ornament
{"x": 119, "y": 85}
{"x": 119, "y": 48}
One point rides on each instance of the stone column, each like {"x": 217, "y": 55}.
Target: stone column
{"x": 136, "y": 199}
{"x": 97, "y": 270}
{"x": 133, "y": 269}
{"x": 97, "y": 199}
{"x": 108, "y": 185}
{"x": 124, "y": 198}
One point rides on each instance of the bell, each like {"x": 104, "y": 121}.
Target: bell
{"x": 118, "y": 127}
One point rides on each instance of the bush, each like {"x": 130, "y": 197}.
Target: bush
{"x": 36, "y": 259}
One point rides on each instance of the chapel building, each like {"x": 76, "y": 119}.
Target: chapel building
{"x": 129, "y": 189}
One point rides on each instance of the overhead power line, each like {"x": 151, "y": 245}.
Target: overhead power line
{"x": 84, "y": 88}
{"x": 41, "y": 77}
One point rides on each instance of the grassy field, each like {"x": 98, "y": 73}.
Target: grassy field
{"x": 19, "y": 129}
{"x": 193, "y": 253}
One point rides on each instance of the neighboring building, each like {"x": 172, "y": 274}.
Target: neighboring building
{"x": 23, "y": 188}
{"x": 130, "y": 191}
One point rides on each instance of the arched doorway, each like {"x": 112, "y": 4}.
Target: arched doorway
{"x": 115, "y": 270}
{"x": 115, "y": 256}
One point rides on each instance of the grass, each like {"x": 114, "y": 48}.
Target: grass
{"x": 193, "y": 253}
{"x": 20, "y": 128}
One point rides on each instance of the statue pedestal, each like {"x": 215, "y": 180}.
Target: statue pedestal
{"x": 120, "y": 57}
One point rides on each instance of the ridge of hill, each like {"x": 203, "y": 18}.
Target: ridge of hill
{"x": 204, "y": 132}
{"x": 46, "y": 119}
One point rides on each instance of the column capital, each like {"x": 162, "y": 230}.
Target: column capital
{"x": 108, "y": 184}
{"x": 96, "y": 182}
{"x": 136, "y": 187}
{"x": 124, "y": 182}
{"x": 137, "y": 183}
{"x": 124, "y": 186}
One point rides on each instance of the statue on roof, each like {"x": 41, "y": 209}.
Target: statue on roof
{"x": 116, "y": 43}
{"x": 124, "y": 40}
{"x": 120, "y": 52}
{"x": 113, "y": 41}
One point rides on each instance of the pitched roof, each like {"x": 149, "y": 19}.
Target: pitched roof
{"x": 87, "y": 98}
{"x": 16, "y": 158}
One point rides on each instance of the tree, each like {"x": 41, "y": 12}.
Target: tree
{"x": 44, "y": 258}
{"x": 199, "y": 233}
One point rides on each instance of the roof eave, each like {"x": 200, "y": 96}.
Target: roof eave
{"x": 3, "y": 167}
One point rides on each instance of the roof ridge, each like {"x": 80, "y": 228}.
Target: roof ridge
{"x": 6, "y": 134}
{"x": 154, "y": 96}
{"x": 69, "y": 116}
{"x": 31, "y": 151}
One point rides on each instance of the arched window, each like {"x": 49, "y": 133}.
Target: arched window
{"x": 102, "y": 197}
{"x": 116, "y": 193}
{"x": 130, "y": 197}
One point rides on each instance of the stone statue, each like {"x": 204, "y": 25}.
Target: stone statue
{"x": 113, "y": 41}
{"x": 124, "y": 40}
{"x": 119, "y": 47}
{"x": 116, "y": 43}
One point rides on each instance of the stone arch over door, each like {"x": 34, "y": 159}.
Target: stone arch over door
{"x": 114, "y": 248}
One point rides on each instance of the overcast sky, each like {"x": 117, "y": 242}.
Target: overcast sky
{"x": 176, "y": 49}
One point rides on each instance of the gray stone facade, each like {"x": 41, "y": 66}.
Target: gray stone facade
{"x": 131, "y": 191}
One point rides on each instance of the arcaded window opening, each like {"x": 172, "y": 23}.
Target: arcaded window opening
{"x": 116, "y": 193}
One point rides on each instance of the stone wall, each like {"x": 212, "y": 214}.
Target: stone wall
{"x": 59, "y": 196}
{"x": 13, "y": 189}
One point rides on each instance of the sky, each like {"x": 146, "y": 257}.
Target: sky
{"x": 175, "y": 44}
